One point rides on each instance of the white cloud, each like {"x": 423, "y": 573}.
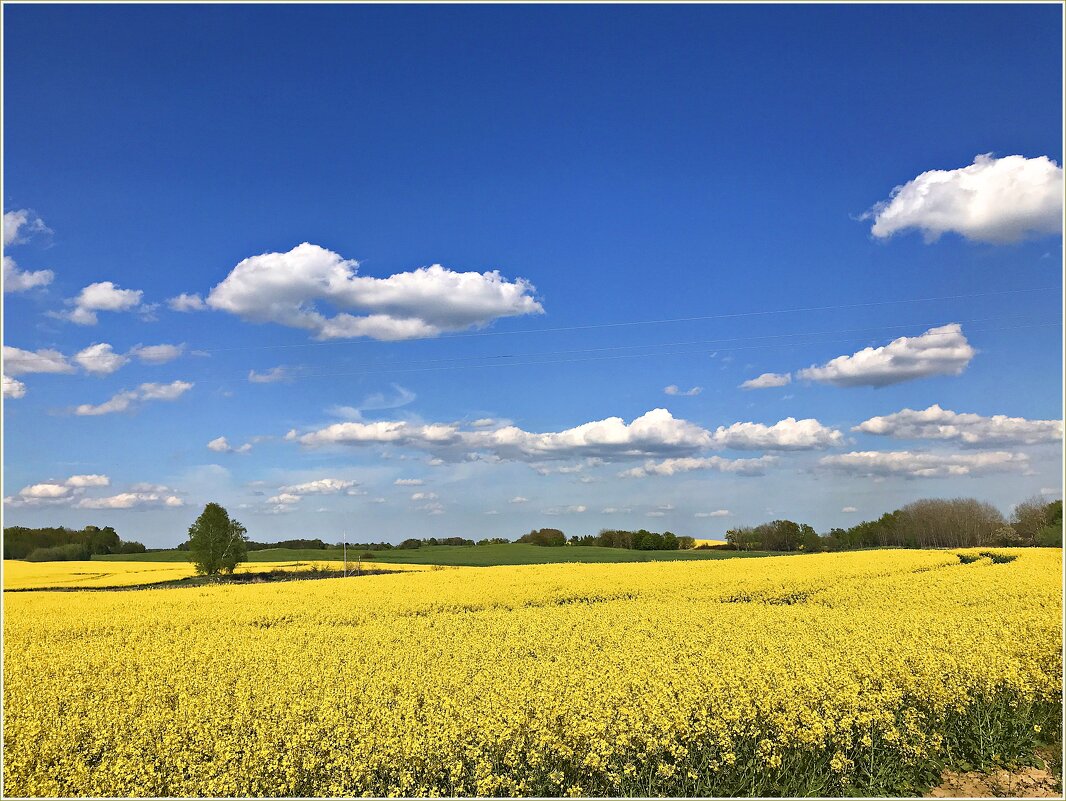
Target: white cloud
{"x": 132, "y": 500}
{"x": 1052, "y": 492}
{"x": 20, "y": 362}
{"x": 16, "y": 280}
{"x": 90, "y": 480}
{"x": 321, "y": 486}
{"x": 284, "y": 288}
{"x": 767, "y": 381}
{"x": 656, "y": 433}
{"x": 483, "y": 422}
{"x": 615, "y": 510}
{"x": 408, "y": 482}
{"x": 122, "y": 401}
{"x": 171, "y": 391}
{"x": 518, "y": 499}
{"x": 673, "y": 389}
{"x": 101, "y": 296}
{"x": 285, "y": 498}
{"x": 279, "y": 373}
{"x": 100, "y": 359}
{"x": 910, "y": 464}
{"x": 939, "y": 351}
{"x": 46, "y": 491}
{"x": 157, "y": 354}
{"x": 424, "y": 496}
{"x": 669, "y": 467}
{"x": 968, "y": 429}
{"x": 849, "y": 510}
{"x": 992, "y": 200}
{"x": 566, "y": 510}
{"x": 789, "y": 434}
{"x": 186, "y": 302}
{"x": 655, "y": 514}
{"x": 144, "y": 486}
{"x": 715, "y": 513}
{"x": 19, "y": 224}
{"x": 56, "y": 493}
{"x": 13, "y": 388}
{"x": 221, "y": 445}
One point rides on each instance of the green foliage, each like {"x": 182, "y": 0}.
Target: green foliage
{"x": 20, "y": 542}
{"x": 642, "y": 540}
{"x": 216, "y": 543}
{"x": 547, "y": 537}
{"x": 72, "y": 552}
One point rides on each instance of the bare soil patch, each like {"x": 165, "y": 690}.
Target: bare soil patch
{"x": 1027, "y": 782}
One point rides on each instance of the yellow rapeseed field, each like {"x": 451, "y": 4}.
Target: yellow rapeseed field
{"x": 19, "y": 575}
{"x": 710, "y": 677}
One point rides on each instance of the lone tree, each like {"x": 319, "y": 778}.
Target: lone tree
{"x": 216, "y": 543}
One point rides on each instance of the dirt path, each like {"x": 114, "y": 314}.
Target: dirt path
{"x": 1020, "y": 783}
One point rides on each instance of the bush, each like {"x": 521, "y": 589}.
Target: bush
{"x": 60, "y": 553}
{"x": 549, "y": 537}
{"x": 410, "y": 544}
{"x": 367, "y": 555}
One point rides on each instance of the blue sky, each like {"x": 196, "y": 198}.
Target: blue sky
{"x": 703, "y": 165}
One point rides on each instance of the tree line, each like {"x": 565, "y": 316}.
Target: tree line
{"x": 52, "y": 544}
{"x": 930, "y": 523}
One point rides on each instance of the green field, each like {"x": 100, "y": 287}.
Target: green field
{"x": 460, "y": 555}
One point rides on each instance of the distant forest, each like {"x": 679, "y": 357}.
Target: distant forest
{"x": 64, "y": 544}
{"x": 932, "y": 523}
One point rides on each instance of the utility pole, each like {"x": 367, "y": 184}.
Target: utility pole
{"x": 344, "y": 543}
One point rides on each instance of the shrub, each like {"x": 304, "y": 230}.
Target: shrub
{"x": 72, "y": 552}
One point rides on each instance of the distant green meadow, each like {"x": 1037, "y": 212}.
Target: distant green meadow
{"x": 459, "y": 555}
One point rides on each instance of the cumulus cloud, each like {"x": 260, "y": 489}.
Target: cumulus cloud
{"x": 669, "y": 467}
{"x": 715, "y": 513}
{"x": 424, "y": 496}
{"x": 992, "y": 200}
{"x": 939, "y": 351}
{"x": 408, "y": 482}
{"x": 322, "y": 486}
{"x": 789, "y": 434}
{"x": 767, "y": 380}
{"x": 656, "y": 433}
{"x": 21, "y": 224}
{"x": 968, "y": 429}
{"x": 89, "y": 480}
{"x": 221, "y": 445}
{"x": 16, "y": 280}
{"x": 674, "y": 389}
{"x": 284, "y": 498}
{"x": 286, "y": 288}
{"x": 186, "y": 302}
{"x": 911, "y": 464}
{"x": 566, "y": 510}
{"x": 21, "y": 362}
{"x": 13, "y": 388}
{"x": 157, "y": 354}
{"x": 518, "y": 499}
{"x": 51, "y": 493}
{"x": 849, "y": 510}
{"x": 100, "y": 359}
{"x": 101, "y": 296}
{"x": 127, "y": 399}
{"x": 132, "y": 500}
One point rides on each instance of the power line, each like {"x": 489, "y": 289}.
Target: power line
{"x": 625, "y": 323}
{"x": 504, "y": 363}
